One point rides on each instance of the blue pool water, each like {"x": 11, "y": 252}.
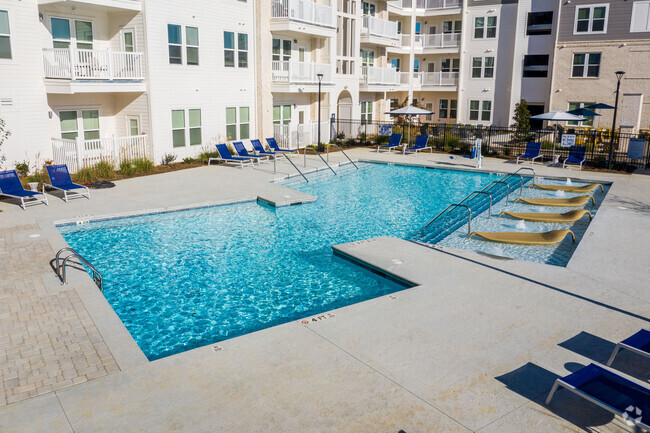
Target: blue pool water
{"x": 186, "y": 279}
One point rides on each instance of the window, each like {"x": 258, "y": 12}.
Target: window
{"x": 416, "y": 65}
{"x": 453, "y": 108}
{"x": 428, "y": 107}
{"x": 451, "y": 26}
{"x": 399, "y": 27}
{"x": 369, "y": 9}
{"x": 586, "y": 65}
{"x": 482, "y": 67}
{"x": 480, "y": 110}
{"x": 536, "y": 65}
{"x": 69, "y": 128}
{"x": 178, "y": 128}
{"x": 244, "y": 123}
{"x": 69, "y": 121}
{"x": 366, "y": 112}
{"x": 195, "y": 126}
{"x": 175, "y": 44}
{"x": 591, "y": 19}
{"x": 395, "y": 64}
{"x": 367, "y": 58}
{"x": 231, "y": 123}
{"x": 192, "y": 45}
{"x": 443, "y": 109}
{"x": 90, "y": 124}
{"x": 133, "y": 125}
{"x": 394, "y": 104}
{"x": 640, "y": 17}
{"x": 450, "y": 65}
{"x": 418, "y": 27}
{"x": 540, "y": 23}
{"x": 281, "y": 114}
{"x": 128, "y": 41}
{"x": 5, "y": 40}
{"x": 229, "y": 49}
{"x": 242, "y": 50}
{"x": 61, "y": 33}
{"x": 485, "y": 27}
{"x": 281, "y": 50}
{"x": 575, "y": 106}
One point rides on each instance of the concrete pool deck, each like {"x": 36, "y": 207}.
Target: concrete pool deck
{"x": 475, "y": 346}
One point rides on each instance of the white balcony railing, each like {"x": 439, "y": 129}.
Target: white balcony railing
{"x": 378, "y": 27}
{"x": 304, "y": 11}
{"x": 440, "y": 40}
{"x": 81, "y": 153}
{"x": 300, "y": 72}
{"x": 427, "y": 4}
{"x": 299, "y": 136}
{"x": 430, "y": 78}
{"x": 376, "y": 75}
{"x": 78, "y": 64}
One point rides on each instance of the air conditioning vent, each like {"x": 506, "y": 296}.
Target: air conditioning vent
{"x": 6, "y": 102}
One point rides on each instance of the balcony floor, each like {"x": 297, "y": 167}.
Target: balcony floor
{"x": 69, "y": 87}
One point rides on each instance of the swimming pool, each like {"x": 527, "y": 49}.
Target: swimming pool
{"x": 185, "y": 279}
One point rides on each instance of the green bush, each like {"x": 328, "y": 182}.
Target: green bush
{"x": 100, "y": 171}
{"x": 548, "y": 145}
{"x": 382, "y": 139}
{"x": 38, "y": 176}
{"x": 136, "y": 166}
{"x": 168, "y": 158}
{"x": 188, "y": 160}
{"x": 205, "y": 156}
{"x": 22, "y": 168}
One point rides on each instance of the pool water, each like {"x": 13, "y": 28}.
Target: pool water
{"x": 186, "y": 279}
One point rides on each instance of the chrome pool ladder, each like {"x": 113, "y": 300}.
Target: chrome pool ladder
{"x": 60, "y": 267}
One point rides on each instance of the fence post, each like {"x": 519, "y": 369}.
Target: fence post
{"x": 79, "y": 148}
{"x": 116, "y": 162}
{"x": 72, "y": 63}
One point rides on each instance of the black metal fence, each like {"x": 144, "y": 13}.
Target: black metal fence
{"x": 499, "y": 141}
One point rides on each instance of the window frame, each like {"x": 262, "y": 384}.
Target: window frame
{"x": 183, "y": 128}
{"x": 443, "y": 112}
{"x": 485, "y": 27}
{"x": 589, "y": 122}
{"x": 591, "y": 19}
{"x": 241, "y": 51}
{"x": 480, "y": 110}
{"x": 247, "y": 124}
{"x": 585, "y": 65}
{"x": 8, "y": 36}
{"x": 81, "y": 131}
{"x": 367, "y": 116}
{"x": 188, "y": 47}
{"x": 174, "y": 44}
{"x": 72, "y": 29}
{"x": 453, "y": 108}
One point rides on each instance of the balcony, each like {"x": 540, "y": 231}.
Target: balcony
{"x": 125, "y": 5}
{"x": 430, "y": 7}
{"x": 299, "y": 136}
{"x": 430, "y": 80}
{"x": 293, "y": 76}
{"x": 437, "y": 43}
{"x": 81, "y": 153}
{"x": 71, "y": 70}
{"x": 379, "y": 32}
{"x": 372, "y": 76}
{"x": 303, "y": 17}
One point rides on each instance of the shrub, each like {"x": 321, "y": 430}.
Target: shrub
{"x": 168, "y": 158}
{"x": 38, "y": 176}
{"x": 101, "y": 171}
{"x": 382, "y": 139}
{"x": 206, "y": 155}
{"x": 188, "y": 160}
{"x": 136, "y": 166}
{"x": 548, "y": 145}
{"x": 22, "y": 168}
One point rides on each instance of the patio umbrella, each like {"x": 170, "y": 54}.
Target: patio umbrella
{"x": 409, "y": 111}
{"x": 557, "y": 116}
{"x": 583, "y": 112}
{"x": 599, "y": 106}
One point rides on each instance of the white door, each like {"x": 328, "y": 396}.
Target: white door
{"x": 133, "y": 125}
{"x": 128, "y": 40}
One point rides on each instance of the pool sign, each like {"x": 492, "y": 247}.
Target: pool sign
{"x": 385, "y": 129}
{"x": 568, "y": 140}
{"x": 635, "y": 148}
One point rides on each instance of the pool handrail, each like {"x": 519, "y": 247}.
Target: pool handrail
{"x": 346, "y": 155}
{"x": 291, "y": 162}
{"x": 61, "y": 269}
{"x": 453, "y": 206}
{"x": 306, "y": 148}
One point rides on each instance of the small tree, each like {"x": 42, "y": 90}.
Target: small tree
{"x": 4, "y": 134}
{"x": 521, "y": 122}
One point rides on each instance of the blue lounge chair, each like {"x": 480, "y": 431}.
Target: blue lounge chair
{"x": 638, "y": 343}
{"x": 275, "y": 148}
{"x": 611, "y": 391}
{"x": 420, "y": 144}
{"x": 226, "y": 156}
{"x": 60, "y": 179}
{"x": 532, "y": 152}
{"x": 241, "y": 150}
{"x": 394, "y": 142}
{"x": 257, "y": 145}
{"x": 576, "y": 156}
{"x": 11, "y": 187}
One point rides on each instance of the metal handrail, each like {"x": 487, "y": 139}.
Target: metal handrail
{"x": 346, "y": 155}
{"x": 489, "y": 195}
{"x": 319, "y": 155}
{"x": 469, "y": 220}
{"x": 61, "y": 269}
{"x": 521, "y": 178}
{"x": 495, "y": 182}
{"x": 288, "y": 159}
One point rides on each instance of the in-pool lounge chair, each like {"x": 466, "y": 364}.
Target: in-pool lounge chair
{"x": 611, "y": 391}
{"x": 60, "y": 179}
{"x": 11, "y": 187}
{"x": 275, "y": 148}
{"x": 394, "y": 142}
{"x": 241, "y": 151}
{"x": 532, "y": 152}
{"x": 576, "y": 156}
{"x": 420, "y": 144}
{"x": 639, "y": 343}
{"x": 257, "y": 145}
{"x": 226, "y": 156}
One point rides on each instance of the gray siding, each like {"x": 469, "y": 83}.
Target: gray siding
{"x": 471, "y": 3}
{"x": 618, "y": 22}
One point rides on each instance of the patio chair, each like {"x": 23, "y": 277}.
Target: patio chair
{"x": 609, "y": 390}
{"x": 532, "y": 152}
{"x": 275, "y": 148}
{"x": 420, "y": 144}
{"x": 60, "y": 179}
{"x": 638, "y": 343}
{"x": 257, "y": 145}
{"x": 241, "y": 150}
{"x": 226, "y": 156}
{"x": 576, "y": 156}
{"x": 394, "y": 142}
{"x": 10, "y": 186}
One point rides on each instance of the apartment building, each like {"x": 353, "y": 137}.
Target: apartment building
{"x": 595, "y": 40}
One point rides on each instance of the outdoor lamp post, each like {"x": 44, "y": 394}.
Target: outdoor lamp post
{"x": 619, "y": 76}
{"x": 320, "y": 79}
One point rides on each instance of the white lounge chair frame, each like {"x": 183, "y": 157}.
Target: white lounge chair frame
{"x": 532, "y": 160}
{"x": 564, "y": 164}
{"x": 33, "y": 200}
{"x": 241, "y": 163}
{"x": 73, "y": 194}
{"x": 622, "y": 345}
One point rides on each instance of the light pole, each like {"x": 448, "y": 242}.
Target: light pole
{"x": 619, "y": 76}
{"x": 320, "y": 78}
